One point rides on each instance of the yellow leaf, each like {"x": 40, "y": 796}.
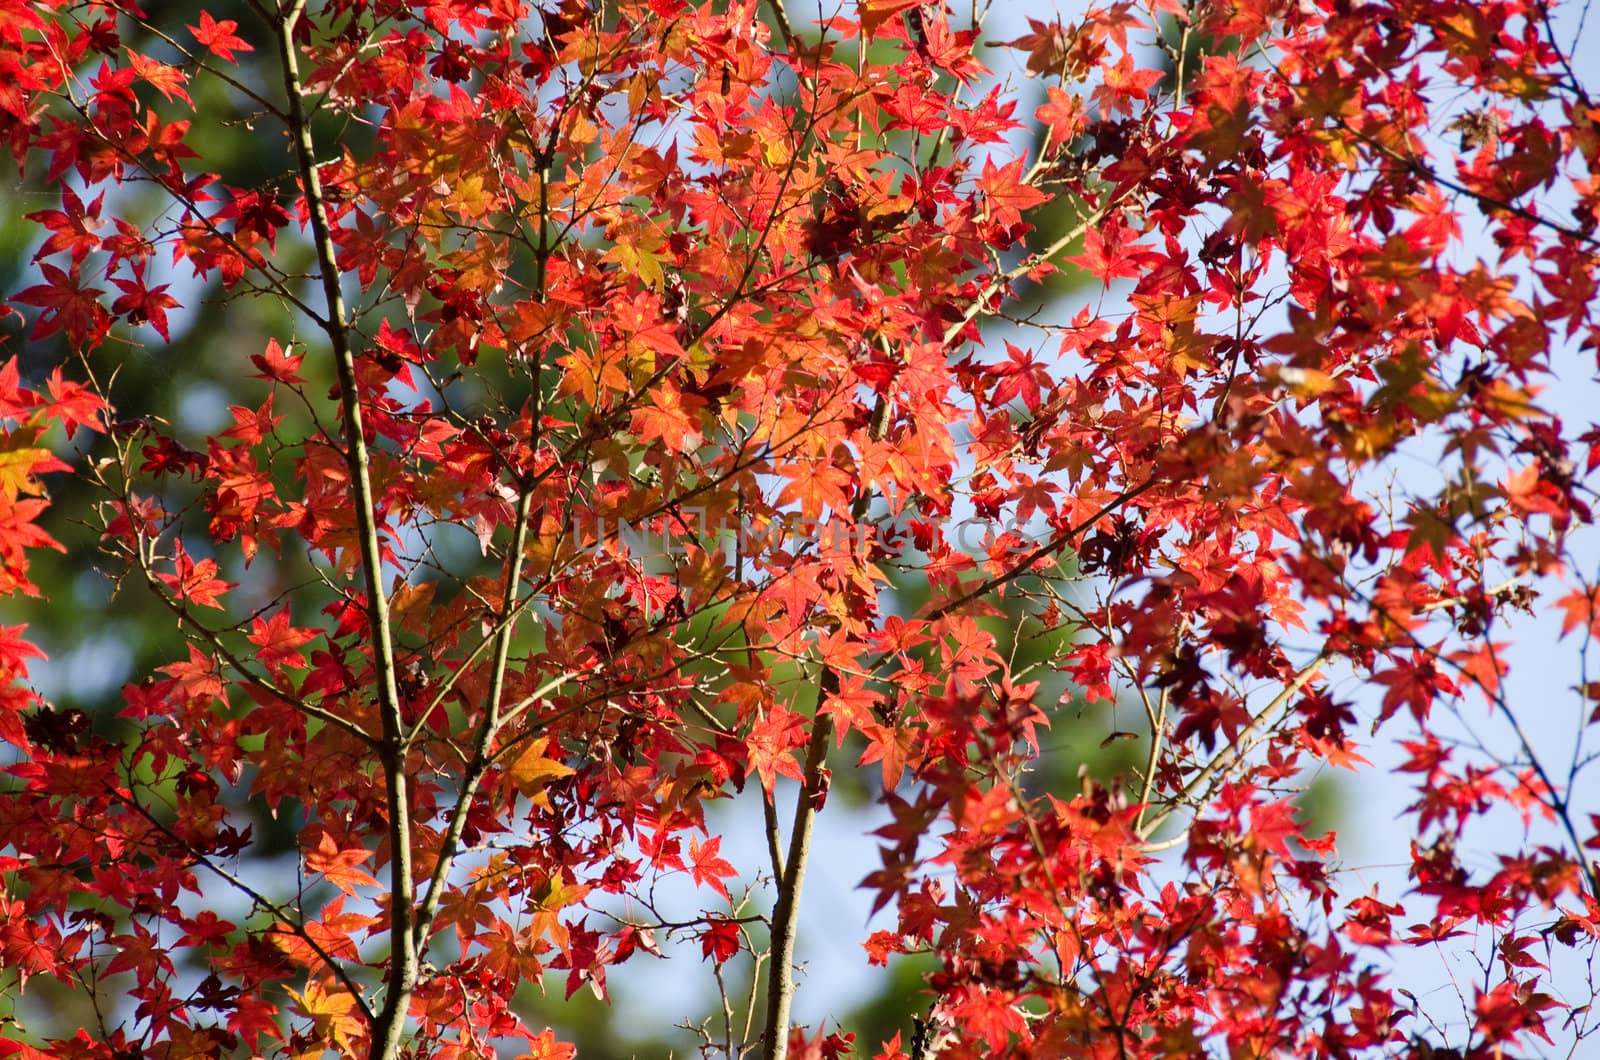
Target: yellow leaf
{"x": 331, "y": 1014}
{"x": 19, "y": 459}
{"x": 1305, "y": 382}
{"x": 411, "y": 601}
{"x": 532, "y": 769}
{"x": 556, "y": 893}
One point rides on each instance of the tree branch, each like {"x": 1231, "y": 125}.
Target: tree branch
{"x": 1239, "y": 747}
{"x": 781, "y": 17}
{"x": 813, "y": 791}
{"x": 495, "y": 719}
{"x": 402, "y": 973}
{"x": 1049, "y": 548}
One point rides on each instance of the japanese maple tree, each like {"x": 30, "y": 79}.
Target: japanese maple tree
{"x": 651, "y": 413}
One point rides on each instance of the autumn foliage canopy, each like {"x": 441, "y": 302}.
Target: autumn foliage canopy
{"x": 641, "y": 407}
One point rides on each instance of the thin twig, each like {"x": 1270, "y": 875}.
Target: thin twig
{"x": 785, "y": 29}
{"x": 1240, "y": 746}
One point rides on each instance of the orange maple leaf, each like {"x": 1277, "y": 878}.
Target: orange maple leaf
{"x": 339, "y": 866}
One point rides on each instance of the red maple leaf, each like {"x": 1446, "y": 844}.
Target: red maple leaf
{"x": 195, "y": 581}
{"x": 278, "y": 365}
{"x": 73, "y": 405}
{"x": 218, "y": 35}
{"x": 720, "y": 940}
{"x": 278, "y": 642}
{"x": 706, "y": 867}
{"x": 340, "y": 866}
{"x": 142, "y": 304}
{"x": 71, "y": 229}
{"x": 1005, "y": 196}
{"x": 68, "y": 306}
{"x": 771, "y": 744}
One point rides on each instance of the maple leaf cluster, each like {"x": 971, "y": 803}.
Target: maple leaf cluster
{"x": 657, "y": 265}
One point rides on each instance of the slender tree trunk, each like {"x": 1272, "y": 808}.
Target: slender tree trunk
{"x": 785, "y": 914}
{"x": 401, "y": 981}
{"x": 813, "y": 791}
